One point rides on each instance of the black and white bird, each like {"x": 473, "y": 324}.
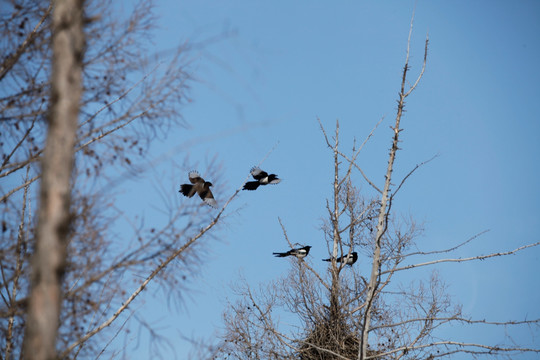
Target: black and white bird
{"x": 348, "y": 259}
{"x": 300, "y": 253}
{"x": 200, "y": 187}
{"x": 262, "y": 178}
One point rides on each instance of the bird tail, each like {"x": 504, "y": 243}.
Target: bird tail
{"x": 281, "y": 254}
{"x": 330, "y": 259}
{"x": 251, "y": 185}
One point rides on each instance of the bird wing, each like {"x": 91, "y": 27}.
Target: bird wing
{"x": 212, "y": 202}
{"x": 300, "y": 253}
{"x": 251, "y": 185}
{"x": 258, "y": 174}
{"x": 206, "y": 195}
{"x": 187, "y": 190}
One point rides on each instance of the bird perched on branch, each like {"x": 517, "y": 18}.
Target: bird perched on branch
{"x": 348, "y": 259}
{"x": 200, "y": 187}
{"x": 262, "y": 178}
{"x": 300, "y": 253}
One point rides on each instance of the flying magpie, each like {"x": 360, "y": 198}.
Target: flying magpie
{"x": 347, "y": 259}
{"x": 262, "y": 178}
{"x": 299, "y": 253}
{"x": 200, "y": 187}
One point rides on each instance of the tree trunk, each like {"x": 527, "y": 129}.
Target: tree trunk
{"x": 381, "y": 229}
{"x": 49, "y": 257}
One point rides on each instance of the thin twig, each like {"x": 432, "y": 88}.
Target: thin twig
{"x": 11, "y": 60}
{"x": 409, "y": 174}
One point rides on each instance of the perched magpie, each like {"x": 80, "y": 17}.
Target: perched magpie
{"x": 200, "y": 187}
{"x": 299, "y": 253}
{"x": 347, "y": 259}
{"x": 262, "y": 178}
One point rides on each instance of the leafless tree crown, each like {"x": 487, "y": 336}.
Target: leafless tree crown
{"x": 346, "y": 314}
{"x": 128, "y": 97}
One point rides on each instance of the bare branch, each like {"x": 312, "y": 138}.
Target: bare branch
{"x": 479, "y": 257}
{"x": 352, "y": 160}
{"x": 423, "y": 67}
{"x": 152, "y": 275}
{"x": 458, "y": 319}
{"x": 409, "y": 174}
{"x": 461, "y": 347}
{"x": 12, "y": 59}
{"x": 445, "y": 250}
{"x": 362, "y": 172}
{"x": 20, "y": 254}
{"x": 6, "y": 160}
{"x": 22, "y": 186}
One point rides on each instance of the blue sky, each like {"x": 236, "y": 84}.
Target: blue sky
{"x": 278, "y": 66}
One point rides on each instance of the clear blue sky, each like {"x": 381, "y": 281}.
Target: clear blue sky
{"x": 283, "y": 64}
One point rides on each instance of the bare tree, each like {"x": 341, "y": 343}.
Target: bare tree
{"x": 128, "y": 98}
{"x": 344, "y": 314}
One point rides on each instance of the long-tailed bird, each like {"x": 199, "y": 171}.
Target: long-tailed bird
{"x": 347, "y": 259}
{"x": 299, "y": 253}
{"x": 262, "y": 178}
{"x": 200, "y": 187}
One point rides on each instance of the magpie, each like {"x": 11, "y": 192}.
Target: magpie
{"x": 347, "y": 259}
{"x": 300, "y": 253}
{"x": 262, "y": 178}
{"x": 200, "y": 187}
